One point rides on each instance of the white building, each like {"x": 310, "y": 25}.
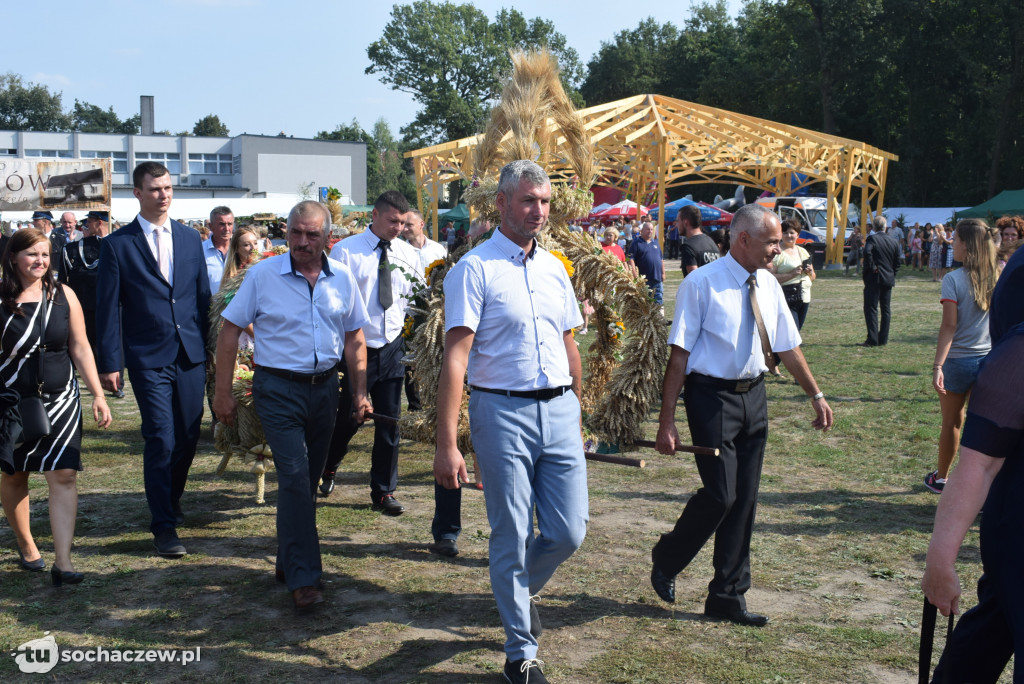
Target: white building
{"x": 208, "y": 171}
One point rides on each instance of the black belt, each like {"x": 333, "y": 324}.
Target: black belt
{"x": 542, "y": 394}
{"x": 739, "y": 386}
{"x": 304, "y": 378}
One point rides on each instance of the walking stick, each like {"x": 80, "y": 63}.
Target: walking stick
{"x": 700, "y": 451}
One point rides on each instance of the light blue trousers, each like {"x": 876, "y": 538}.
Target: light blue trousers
{"x": 531, "y": 455}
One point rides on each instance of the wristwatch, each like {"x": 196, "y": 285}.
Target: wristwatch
{"x": 819, "y": 395}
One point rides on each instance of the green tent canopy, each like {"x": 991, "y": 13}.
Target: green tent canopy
{"x": 459, "y": 215}
{"x": 1006, "y": 203}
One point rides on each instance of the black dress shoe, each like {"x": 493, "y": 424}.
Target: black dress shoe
{"x": 445, "y": 547}
{"x": 867, "y": 344}
{"x": 389, "y": 505}
{"x": 59, "y": 577}
{"x": 738, "y": 615}
{"x": 179, "y": 517}
{"x": 168, "y": 545}
{"x": 38, "y": 565}
{"x": 327, "y": 483}
{"x": 664, "y": 586}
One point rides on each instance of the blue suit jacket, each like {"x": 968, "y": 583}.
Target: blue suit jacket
{"x": 157, "y": 319}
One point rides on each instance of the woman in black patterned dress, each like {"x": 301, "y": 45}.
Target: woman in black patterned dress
{"x": 25, "y": 280}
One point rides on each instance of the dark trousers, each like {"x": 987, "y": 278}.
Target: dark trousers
{"x": 297, "y": 420}
{"x": 384, "y": 374}
{"x": 170, "y": 402}
{"x": 988, "y": 634}
{"x": 412, "y": 393}
{"x": 447, "y": 522}
{"x": 737, "y": 424}
{"x": 877, "y": 295}
{"x": 799, "y": 312}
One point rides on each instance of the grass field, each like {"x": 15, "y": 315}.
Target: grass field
{"x": 838, "y": 551}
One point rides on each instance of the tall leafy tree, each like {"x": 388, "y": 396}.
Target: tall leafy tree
{"x": 635, "y": 62}
{"x": 89, "y": 118}
{"x": 26, "y": 106}
{"x": 210, "y": 126}
{"x": 450, "y": 58}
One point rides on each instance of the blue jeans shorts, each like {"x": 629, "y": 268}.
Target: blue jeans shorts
{"x": 960, "y": 374}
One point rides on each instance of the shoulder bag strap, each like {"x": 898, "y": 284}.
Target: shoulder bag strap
{"x": 41, "y": 347}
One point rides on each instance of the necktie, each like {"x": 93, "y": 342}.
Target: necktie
{"x": 162, "y": 257}
{"x": 384, "y": 295}
{"x": 766, "y": 347}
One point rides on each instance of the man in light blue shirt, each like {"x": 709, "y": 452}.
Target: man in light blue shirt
{"x": 509, "y": 312}
{"x": 215, "y": 249}
{"x": 306, "y": 313}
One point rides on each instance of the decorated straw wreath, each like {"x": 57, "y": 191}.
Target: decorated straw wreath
{"x": 245, "y": 438}
{"x": 623, "y": 380}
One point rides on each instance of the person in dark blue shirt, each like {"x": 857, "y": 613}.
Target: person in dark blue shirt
{"x": 645, "y": 256}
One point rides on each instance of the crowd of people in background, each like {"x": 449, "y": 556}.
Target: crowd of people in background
{"x": 157, "y": 276}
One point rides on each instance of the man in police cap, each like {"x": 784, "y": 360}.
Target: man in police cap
{"x": 77, "y": 267}
{"x": 43, "y": 220}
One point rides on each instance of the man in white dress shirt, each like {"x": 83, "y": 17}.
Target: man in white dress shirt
{"x": 306, "y": 316}
{"x": 428, "y": 252}
{"x": 385, "y": 269}
{"x": 215, "y": 248}
{"x": 509, "y": 314}
{"x": 721, "y": 350}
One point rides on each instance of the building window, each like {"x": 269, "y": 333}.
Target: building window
{"x": 120, "y": 164}
{"x": 52, "y": 154}
{"x": 236, "y": 164}
{"x": 172, "y": 160}
{"x": 210, "y": 164}
{"x": 8, "y": 152}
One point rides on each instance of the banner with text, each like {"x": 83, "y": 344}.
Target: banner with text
{"x": 29, "y": 185}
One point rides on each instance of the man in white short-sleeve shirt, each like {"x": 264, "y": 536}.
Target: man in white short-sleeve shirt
{"x": 719, "y": 356}
{"x": 509, "y": 313}
{"x": 306, "y": 316}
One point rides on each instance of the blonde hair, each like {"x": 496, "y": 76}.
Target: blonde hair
{"x": 979, "y": 259}
{"x": 231, "y": 261}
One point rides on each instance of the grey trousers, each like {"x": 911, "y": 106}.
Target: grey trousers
{"x": 298, "y": 420}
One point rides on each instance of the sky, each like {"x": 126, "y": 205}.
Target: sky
{"x": 262, "y": 66}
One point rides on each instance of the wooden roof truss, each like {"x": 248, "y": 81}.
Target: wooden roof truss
{"x": 646, "y": 144}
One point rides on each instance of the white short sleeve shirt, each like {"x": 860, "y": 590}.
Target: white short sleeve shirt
{"x": 714, "y": 322}
{"x": 519, "y": 307}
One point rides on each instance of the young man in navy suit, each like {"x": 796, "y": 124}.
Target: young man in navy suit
{"x": 153, "y": 268}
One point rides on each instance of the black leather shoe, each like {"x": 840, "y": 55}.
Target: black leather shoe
{"x": 738, "y": 615}
{"x": 59, "y": 577}
{"x": 38, "y": 565}
{"x": 389, "y": 505}
{"x": 445, "y": 547}
{"x": 524, "y": 672}
{"x": 168, "y": 545}
{"x": 327, "y": 483}
{"x": 866, "y": 344}
{"x": 664, "y": 586}
{"x": 179, "y": 517}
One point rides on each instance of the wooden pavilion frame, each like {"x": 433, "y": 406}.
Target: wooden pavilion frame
{"x": 646, "y": 144}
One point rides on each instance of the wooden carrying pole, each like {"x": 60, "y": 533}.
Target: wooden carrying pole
{"x": 603, "y": 458}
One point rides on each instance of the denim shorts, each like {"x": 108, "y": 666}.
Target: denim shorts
{"x": 959, "y": 374}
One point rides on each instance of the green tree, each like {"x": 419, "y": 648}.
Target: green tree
{"x": 450, "y": 58}
{"x": 210, "y": 126}
{"x": 27, "y": 106}
{"x": 386, "y": 169}
{"x": 635, "y": 62}
{"x": 88, "y": 118}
